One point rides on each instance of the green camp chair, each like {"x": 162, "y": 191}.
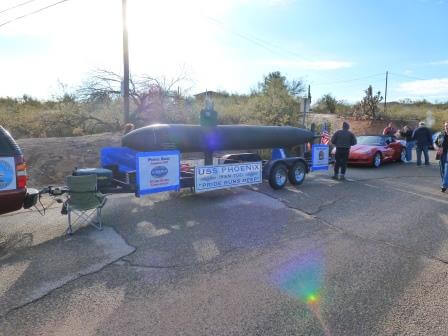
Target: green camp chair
{"x": 84, "y": 201}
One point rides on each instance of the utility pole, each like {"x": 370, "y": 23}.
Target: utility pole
{"x": 306, "y": 103}
{"x": 385, "y": 94}
{"x": 125, "y": 63}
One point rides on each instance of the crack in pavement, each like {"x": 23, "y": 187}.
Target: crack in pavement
{"x": 324, "y": 204}
{"x": 126, "y": 262}
{"x": 78, "y": 276}
{"x": 310, "y": 215}
{"x": 116, "y": 262}
{"x": 424, "y": 194}
{"x": 390, "y": 177}
{"x": 381, "y": 241}
{"x": 304, "y": 213}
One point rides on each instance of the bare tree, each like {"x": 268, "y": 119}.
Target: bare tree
{"x": 151, "y": 97}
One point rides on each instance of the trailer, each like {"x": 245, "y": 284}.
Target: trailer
{"x": 149, "y": 159}
{"x": 122, "y": 163}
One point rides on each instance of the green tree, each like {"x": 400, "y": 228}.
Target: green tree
{"x": 327, "y": 103}
{"x": 276, "y": 80}
{"x": 276, "y": 102}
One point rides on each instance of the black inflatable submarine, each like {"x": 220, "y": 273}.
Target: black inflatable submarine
{"x": 195, "y": 138}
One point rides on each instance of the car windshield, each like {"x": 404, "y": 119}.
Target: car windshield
{"x": 370, "y": 140}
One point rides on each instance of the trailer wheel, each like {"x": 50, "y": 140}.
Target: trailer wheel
{"x": 278, "y": 176}
{"x": 297, "y": 172}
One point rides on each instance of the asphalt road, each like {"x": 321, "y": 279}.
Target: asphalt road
{"x": 368, "y": 256}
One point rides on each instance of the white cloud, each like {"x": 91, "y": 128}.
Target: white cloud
{"x": 280, "y": 2}
{"x": 438, "y": 2}
{"x": 427, "y": 88}
{"x": 443, "y": 62}
{"x": 310, "y": 65}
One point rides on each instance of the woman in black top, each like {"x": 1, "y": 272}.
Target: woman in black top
{"x": 406, "y": 133}
{"x": 442, "y": 142}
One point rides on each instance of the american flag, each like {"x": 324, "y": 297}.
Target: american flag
{"x": 325, "y": 137}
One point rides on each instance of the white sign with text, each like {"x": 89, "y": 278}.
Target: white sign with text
{"x": 227, "y": 176}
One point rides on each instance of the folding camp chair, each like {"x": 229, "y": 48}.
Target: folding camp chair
{"x": 84, "y": 201}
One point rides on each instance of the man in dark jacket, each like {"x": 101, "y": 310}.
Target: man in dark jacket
{"x": 423, "y": 138}
{"x": 342, "y": 140}
{"x": 442, "y": 142}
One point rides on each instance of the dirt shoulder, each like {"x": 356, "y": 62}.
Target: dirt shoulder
{"x": 50, "y": 160}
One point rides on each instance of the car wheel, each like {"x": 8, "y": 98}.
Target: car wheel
{"x": 377, "y": 160}
{"x": 402, "y": 155}
{"x": 278, "y": 176}
{"x": 297, "y": 172}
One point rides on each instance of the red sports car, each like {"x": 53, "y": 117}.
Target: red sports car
{"x": 373, "y": 150}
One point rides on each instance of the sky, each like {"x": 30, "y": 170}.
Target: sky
{"x": 337, "y": 47}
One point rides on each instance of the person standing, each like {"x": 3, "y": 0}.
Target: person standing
{"x": 390, "y": 130}
{"x": 442, "y": 142}
{"x": 128, "y": 128}
{"x": 423, "y": 138}
{"x": 406, "y": 133}
{"x": 342, "y": 140}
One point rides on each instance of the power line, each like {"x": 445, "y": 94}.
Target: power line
{"x": 31, "y": 13}
{"x": 406, "y": 76}
{"x": 374, "y": 83}
{"x": 260, "y": 44}
{"x": 271, "y": 47}
{"x": 17, "y": 6}
{"x": 255, "y": 40}
{"x": 350, "y": 80}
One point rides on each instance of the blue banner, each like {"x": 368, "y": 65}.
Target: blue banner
{"x": 319, "y": 157}
{"x": 157, "y": 172}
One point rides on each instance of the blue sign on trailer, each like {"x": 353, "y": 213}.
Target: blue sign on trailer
{"x": 157, "y": 172}
{"x": 319, "y": 157}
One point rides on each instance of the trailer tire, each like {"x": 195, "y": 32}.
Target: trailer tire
{"x": 278, "y": 176}
{"x": 297, "y": 173}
